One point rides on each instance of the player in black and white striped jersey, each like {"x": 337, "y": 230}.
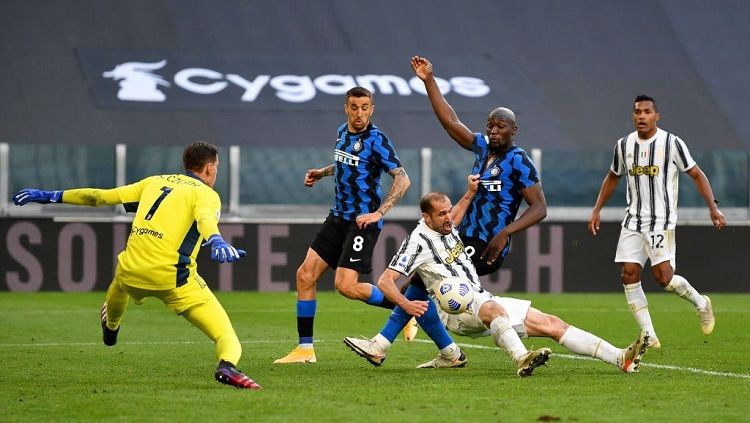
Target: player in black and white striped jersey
{"x": 651, "y": 160}
{"x": 435, "y": 251}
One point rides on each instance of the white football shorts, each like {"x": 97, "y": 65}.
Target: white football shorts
{"x": 637, "y": 247}
{"x": 468, "y": 324}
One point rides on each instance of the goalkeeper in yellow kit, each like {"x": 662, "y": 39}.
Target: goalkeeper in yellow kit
{"x": 172, "y": 214}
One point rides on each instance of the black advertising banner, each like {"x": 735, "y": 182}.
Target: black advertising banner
{"x": 169, "y": 80}
{"x": 44, "y": 255}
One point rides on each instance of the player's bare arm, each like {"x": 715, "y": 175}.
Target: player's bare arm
{"x": 444, "y": 112}
{"x": 400, "y": 184}
{"x": 609, "y": 184}
{"x": 387, "y": 284}
{"x": 704, "y": 189}
{"x": 535, "y": 213}
{"x": 459, "y": 209}
{"x": 314, "y": 175}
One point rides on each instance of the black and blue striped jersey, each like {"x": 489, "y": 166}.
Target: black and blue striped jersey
{"x": 496, "y": 202}
{"x": 361, "y": 158}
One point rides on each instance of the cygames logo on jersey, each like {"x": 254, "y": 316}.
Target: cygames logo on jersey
{"x": 345, "y": 158}
{"x": 644, "y": 170}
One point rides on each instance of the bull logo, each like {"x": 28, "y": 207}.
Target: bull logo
{"x": 137, "y": 83}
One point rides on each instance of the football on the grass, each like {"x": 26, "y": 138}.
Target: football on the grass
{"x": 454, "y": 295}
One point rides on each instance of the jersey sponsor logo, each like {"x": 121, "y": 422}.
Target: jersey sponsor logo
{"x": 345, "y": 158}
{"x": 454, "y": 253}
{"x": 643, "y": 170}
{"x": 146, "y": 231}
{"x": 493, "y": 186}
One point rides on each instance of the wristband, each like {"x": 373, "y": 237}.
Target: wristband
{"x": 381, "y": 213}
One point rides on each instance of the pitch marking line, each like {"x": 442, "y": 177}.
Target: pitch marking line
{"x": 266, "y": 341}
{"x": 656, "y": 366}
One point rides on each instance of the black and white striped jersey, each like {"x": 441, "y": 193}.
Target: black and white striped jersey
{"x": 434, "y": 256}
{"x": 652, "y": 169}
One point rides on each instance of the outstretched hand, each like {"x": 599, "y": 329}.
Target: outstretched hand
{"x": 422, "y": 67}
{"x": 31, "y": 195}
{"x": 221, "y": 251}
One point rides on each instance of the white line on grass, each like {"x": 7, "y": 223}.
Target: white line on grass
{"x": 268, "y": 341}
{"x": 657, "y": 366}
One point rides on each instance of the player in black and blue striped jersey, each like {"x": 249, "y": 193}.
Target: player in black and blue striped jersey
{"x": 345, "y": 242}
{"x": 507, "y": 176}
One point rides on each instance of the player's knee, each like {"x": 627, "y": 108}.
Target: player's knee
{"x": 630, "y": 275}
{"x": 305, "y": 278}
{"x": 662, "y": 275}
{"x": 557, "y": 327}
{"x": 491, "y": 311}
{"x": 346, "y": 288}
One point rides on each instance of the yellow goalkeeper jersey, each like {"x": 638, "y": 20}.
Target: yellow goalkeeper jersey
{"x": 174, "y": 213}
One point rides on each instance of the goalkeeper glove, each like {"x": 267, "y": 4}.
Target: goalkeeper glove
{"x": 221, "y": 251}
{"x": 30, "y": 195}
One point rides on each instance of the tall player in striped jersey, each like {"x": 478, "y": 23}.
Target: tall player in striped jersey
{"x": 507, "y": 177}
{"x": 651, "y": 160}
{"x": 172, "y": 214}
{"x": 434, "y": 251}
{"x": 346, "y": 240}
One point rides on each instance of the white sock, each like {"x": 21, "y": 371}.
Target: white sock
{"x": 506, "y": 338}
{"x": 585, "y": 343}
{"x": 682, "y": 287}
{"x": 382, "y": 342}
{"x": 451, "y": 351}
{"x": 639, "y": 307}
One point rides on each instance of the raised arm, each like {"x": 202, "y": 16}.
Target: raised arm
{"x": 704, "y": 189}
{"x": 459, "y": 209}
{"x": 82, "y": 196}
{"x": 399, "y": 186}
{"x": 609, "y": 184}
{"x": 444, "y": 112}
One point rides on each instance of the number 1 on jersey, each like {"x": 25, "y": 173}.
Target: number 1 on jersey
{"x": 165, "y": 192}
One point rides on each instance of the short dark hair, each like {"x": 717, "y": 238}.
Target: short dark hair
{"x": 644, "y": 97}
{"x": 197, "y": 154}
{"x": 359, "y": 92}
{"x": 425, "y": 204}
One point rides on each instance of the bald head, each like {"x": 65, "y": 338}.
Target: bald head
{"x": 503, "y": 113}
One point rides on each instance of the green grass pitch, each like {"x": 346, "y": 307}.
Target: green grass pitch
{"x": 55, "y": 368}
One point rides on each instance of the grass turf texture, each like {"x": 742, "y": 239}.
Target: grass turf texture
{"x": 55, "y": 367}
